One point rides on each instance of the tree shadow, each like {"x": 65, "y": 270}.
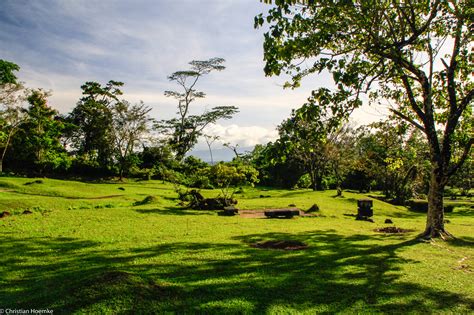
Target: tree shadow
{"x": 465, "y": 241}
{"x": 336, "y": 273}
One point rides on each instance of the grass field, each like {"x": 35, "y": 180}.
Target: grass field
{"x": 86, "y": 248}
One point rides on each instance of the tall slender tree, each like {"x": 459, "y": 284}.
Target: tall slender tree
{"x": 130, "y": 123}
{"x": 185, "y": 130}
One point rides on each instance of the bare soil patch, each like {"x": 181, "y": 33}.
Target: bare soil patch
{"x": 283, "y": 245}
{"x": 260, "y": 213}
{"x": 392, "y": 230}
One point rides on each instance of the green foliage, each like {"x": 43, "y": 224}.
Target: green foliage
{"x": 229, "y": 176}
{"x": 394, "y": 154}
{"x": 7, "y": 75}
{"x": 36, "y": 146}
{"x": 11, "y": 115}
{"x": 130, "y": 124}
{"x": 93, "y": 116}
{"x": 422, "y": 206}
{"x": 274, "y": 167}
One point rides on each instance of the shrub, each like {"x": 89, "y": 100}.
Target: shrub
{"x": 422, "y": 206}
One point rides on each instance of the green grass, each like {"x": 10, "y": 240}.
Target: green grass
{"x": 88, "y": 249}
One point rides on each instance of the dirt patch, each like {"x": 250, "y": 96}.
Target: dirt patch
{"x": 260, "y": 213}
{"x": 283, "y": 245}
{"x": 27, "y": 212}
{"x": 393, "y": 230}
{"x": 252, "y": 214}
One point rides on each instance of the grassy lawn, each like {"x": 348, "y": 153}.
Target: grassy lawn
{"x": 87, "y": 248}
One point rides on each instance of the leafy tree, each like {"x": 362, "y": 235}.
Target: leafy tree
{"x": 158, "y": 157}
{"x": 340, "y": 152}
{"x": 185, "y": 130}
{"x": 416, "y": 54}
{"x": 394, "y": 153}
{"x": 11, "y": 115}
{"x": 37, "y": 145}
{"x": 130, "y": 123}
{"x": 305, "y": 138}
{"x": 229, "y": 176}
{"x": 94, "y": 138}
{"x": 275, "y": 165}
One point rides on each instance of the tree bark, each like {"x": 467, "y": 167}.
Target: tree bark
{"x": 435, "y": 217}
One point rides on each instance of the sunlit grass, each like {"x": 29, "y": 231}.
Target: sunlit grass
{"x": 87, "y": 248}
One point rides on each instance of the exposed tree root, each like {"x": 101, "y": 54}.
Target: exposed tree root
{"x": 431, "y": 233}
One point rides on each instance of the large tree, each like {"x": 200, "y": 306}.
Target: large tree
{"x": 305, "y": 138}
{"x": 416, "y": 54}
{"x": 36, "y": 146}
{"x": 130, "y": 124}
{"x": 185, "y": 130}
{"x": 11, "y": 97}
{"x": 93, "y": 116}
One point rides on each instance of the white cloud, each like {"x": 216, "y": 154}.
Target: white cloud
{"x": 62, "y": 44}
{"x": 244, "y": 136}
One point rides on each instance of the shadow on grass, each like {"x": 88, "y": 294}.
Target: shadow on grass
{"x": 358, "y": 273}
{"x": 466, "y": 241}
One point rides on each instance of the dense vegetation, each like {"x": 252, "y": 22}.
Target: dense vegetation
{"x": 104, "y": 136}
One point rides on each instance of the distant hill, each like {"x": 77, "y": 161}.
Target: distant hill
{"x": 223, "y": 154}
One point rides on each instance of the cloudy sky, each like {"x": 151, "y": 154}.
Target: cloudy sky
{"x": 60, "y": 44}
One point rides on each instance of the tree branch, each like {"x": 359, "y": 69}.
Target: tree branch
{"x": 464, "y": 156}
{"x": 410, "y": 120}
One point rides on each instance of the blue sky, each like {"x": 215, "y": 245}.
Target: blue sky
{"x": 60, "y": 44}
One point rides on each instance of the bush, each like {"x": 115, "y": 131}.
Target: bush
{"x": 196, "y": 201}
{"x": 422, "y": 206}
{"x": 200, "y": 179}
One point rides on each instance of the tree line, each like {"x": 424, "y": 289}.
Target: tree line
{"x": 104, "y": 134}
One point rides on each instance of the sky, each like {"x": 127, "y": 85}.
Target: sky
{"x": 60, "y": 44}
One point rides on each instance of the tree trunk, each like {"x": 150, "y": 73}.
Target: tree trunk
{"x": 1, "y": 166}
{"x": 435, "y": 216}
